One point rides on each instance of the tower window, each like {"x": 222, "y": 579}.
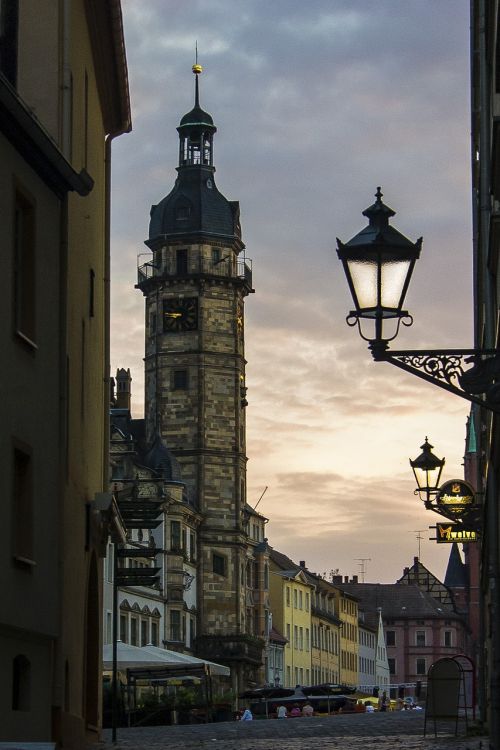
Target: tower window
{"x": 219, "y": 564}
{"x": 180, "y": 380}
{"x": 182, "y": 261}
{"x": 182, "y": 213}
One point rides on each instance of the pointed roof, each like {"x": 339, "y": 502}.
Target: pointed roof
{"x": 456, "y": 575}
{"x": 422, "y": 577}
{"x": 160, "y": 459}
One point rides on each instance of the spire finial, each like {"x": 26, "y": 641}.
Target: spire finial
{"x": 379, "y": 194}
{"x": 197, "y": 69}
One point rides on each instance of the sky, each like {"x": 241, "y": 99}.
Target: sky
{"x": 316, "y": 104}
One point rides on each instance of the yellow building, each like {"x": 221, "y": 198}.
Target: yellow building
{"x": 326, "y": 633}
{"x": 63, "y": 97}
{"x": 347, "y": 612}
{"x": 291, "y": 601}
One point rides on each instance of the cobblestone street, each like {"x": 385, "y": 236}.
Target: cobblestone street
{"x": 392, "y": 731}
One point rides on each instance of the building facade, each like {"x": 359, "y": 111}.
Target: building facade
{"x": 63, "y": 97}
{"x": 418, "y": 629}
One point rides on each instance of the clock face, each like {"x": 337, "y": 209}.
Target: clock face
{"x": 180, "y": 314}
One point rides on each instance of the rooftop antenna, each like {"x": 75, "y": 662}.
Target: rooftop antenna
{"x": 260, "y": 498}
{"x": 419, "y": 537}
{"x": 362, "y": 567}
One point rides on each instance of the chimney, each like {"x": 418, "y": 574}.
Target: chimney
{"x": 346, "y": 579}
{"x": 354, "y": 579}
{"x": 406, "y": 571}
{"x": 302, "y": 563}
{"x": 336, "y": 580}
{"x": 415, "y": 561}
{"x": 123, "y": 389}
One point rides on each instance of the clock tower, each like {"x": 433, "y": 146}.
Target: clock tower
{"x": 195, "y": 285}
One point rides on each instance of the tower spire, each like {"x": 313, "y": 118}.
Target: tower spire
{"x": 197, "y": 69}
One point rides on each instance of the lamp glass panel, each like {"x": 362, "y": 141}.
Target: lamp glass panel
{"x": 364, "y": 279}
{"x": 427, "y": 478}
{"x": 393, "y": 280}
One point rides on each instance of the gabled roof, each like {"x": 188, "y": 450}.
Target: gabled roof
{"x": 399, "y": 601}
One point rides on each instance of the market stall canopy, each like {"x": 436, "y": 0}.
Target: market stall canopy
{"x": 134, "y": 657}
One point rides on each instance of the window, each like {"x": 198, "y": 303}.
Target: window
{"x": 133, "y": 631}
{"x": 288, "y": 637}
{"x": 301, "y": 639}
{"x": 24, "y": 267}
{"x": 192, "y": 546}
{"x": 216, "y": 257}
{"x": 144, "y": 632}
{"x": 175, "y": 535}
{"x": 390, "y": 638}
{"x": 420, "y": 638}
{"x": 180, "y": 380}
{"x": 266, "y": 576}
{"x": 22, "y": 505}
{"x": 288, "y": 596}
{"x": 154, "y": 633}
{"x": 295, "y": 598}
{"x": 192, "y": 631}
{"x": 123, "y": 628}
{"x": 219, "y": 564}
{"x": 288, "y": 678}
{"x": 307, "y": 602}
{"x": 307, "y": 639}
{"x": 420, "y": 666}
{"x": 392, "y": 666}
{"x": 21, "y": 683}
{"x": 300, "y": 600}
{"x": 9, "y": 20}
{"x": 182, "y": 257}
{"x": 175, "y": 625}
{"x": 447, "y": 638}
{"x": 295, "y": 636}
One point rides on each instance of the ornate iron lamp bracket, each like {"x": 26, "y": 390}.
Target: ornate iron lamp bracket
{"x": 472, "y": 374}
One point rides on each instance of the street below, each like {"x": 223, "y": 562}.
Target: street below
{"x": 401, "y": 730}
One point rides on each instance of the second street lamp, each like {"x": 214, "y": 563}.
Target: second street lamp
{"x": 378, "y": 263}
{"x": 427, "y": 469}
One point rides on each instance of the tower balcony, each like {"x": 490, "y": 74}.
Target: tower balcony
{"x": 240, "y": 270}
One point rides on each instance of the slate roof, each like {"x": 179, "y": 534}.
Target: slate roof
{"x": 399, "y": 601}
{"x": 456, "y": 573}
{"x": 194, "y": 206}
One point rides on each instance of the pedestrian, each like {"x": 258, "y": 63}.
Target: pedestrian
{"x": 247, "y": 715}
{"x": 383, "y": 702}
{"x": 295, "y": 710}
{"x": 307, "y": 709}
{"x": 282, "y": 712}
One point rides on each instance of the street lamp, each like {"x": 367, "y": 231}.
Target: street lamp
{"x": 378, "y": 263}
{"x": 427, "y": 469}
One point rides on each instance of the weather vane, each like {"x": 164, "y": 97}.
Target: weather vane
{"x": 197, "y": 69}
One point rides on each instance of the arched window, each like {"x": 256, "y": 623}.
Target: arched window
{"x": 21, "y": 683}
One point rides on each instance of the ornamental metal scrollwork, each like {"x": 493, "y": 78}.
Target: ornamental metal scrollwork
{"x": 440, "y": 366}
{"x": 479, "y": 383}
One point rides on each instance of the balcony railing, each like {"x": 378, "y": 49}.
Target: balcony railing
{"x": 230, "y": 648}
{"x": 225, "y": 268}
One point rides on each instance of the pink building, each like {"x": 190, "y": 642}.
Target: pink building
{"x": 419, "y": 629}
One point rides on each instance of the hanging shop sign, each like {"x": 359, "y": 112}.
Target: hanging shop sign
{"x": 455, "y": 499}
{"x": 447, "y": 533}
